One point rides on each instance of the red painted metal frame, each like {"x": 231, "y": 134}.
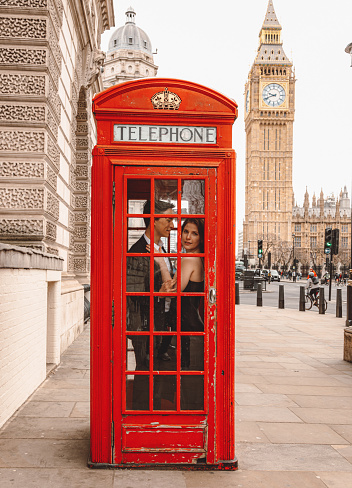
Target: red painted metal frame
{"x": 130, "y": 103}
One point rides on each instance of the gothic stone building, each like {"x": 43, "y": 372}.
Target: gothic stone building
{"x": 309, "y": 223}
{"x": 269, "y": 116}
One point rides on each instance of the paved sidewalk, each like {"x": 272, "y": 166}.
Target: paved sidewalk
{"x": 294, "y": 418}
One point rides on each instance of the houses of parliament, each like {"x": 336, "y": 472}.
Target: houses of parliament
{"x": 271, "y": 213}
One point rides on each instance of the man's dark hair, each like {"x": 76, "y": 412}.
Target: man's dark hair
{"x": 159, "y": 207}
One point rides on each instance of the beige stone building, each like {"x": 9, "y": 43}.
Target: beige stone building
{"x": 269, "y": 116}
{"x": 309, "y": 223}
{"x": 129, "y": 54}
{"x": 50, "y": 62}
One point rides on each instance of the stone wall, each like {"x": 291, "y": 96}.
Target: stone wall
{"x": 30, "y": 303}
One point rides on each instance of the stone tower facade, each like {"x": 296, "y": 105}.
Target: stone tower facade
{"x": 129, "y": 55}
{"x": 269, "y": 116}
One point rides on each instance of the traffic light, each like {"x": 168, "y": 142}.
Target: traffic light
{"x": 260, "y": 248}
{"x": 335, "y": 241}
{"x": 328, "y": 240}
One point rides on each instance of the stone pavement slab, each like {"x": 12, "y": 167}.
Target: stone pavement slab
{"x": 293, "y": 421}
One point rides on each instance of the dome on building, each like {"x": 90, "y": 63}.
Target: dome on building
{"x": 130, "y": 36}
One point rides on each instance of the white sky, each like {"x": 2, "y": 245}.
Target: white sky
{"x": 215, "y": 44}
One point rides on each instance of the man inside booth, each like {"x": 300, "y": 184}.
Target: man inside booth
{"x": 138, "y": 279}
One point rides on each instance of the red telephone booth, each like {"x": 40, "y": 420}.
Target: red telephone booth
{"x": 163, "y": 315}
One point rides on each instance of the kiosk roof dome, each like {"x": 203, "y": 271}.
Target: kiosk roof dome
{"x": 130, "y": 36}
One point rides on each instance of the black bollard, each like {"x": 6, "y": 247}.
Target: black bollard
{"x": 321, "y": 301}
{"x": 237, "y": 293}
{"x": 302, "y": 299}
{"x": 281, "y": 296}
{"x": 259, "y": 295}
{"x": 339, "y": 303}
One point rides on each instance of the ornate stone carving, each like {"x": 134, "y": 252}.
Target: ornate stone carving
{"x": 81, "y": 232}
{"x": 82, "y": 128}
{"x": 94, "y": 69}
{"x": 22, "y": 169}
{"x": 82, "y": 116}
{"x": 80, "y": 264}
{"x": 22, "y": 198}
{"x": 22, "y": 28}
{"x": 81, "y": 217}
{"x": 53, "y": 68}
{"x": 52, "y": 205}
{"x": 70, "y": 262}
{"x": 19, "y": 84}
{"x": 81, "y": 201}
{"x": 50, "y": 232}
{"x": 54, "y": 101}
{"x": 82, "y": 141}
{"x": 28, "y": 113}
{"x": 13, "y": 56}
{"x": 51, "y": 177}
{"x": 81, "y": 171}
{"x": 25, "y": 141}
{"x": 82, "y": 186}
{"x": 53, "y": 126}
{"x": 53, "y": 153}
{"x": 24, "y": 3}
{"x": 21, "y": 227}
{"x": 54, "y": 45}
{"x": 82, "y": 155}
{"x": 71, "y": 219}
{"x": 80, "y": 248}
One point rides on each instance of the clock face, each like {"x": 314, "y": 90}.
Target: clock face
{"x": 247, "y": 101}
{"x": 274, "y": 95}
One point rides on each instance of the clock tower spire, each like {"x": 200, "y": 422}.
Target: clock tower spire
{"x": 269, "y": 116}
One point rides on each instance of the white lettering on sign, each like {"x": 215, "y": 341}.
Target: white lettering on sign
{"x": 164, "y": 133}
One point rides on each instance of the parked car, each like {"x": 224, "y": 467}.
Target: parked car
{"x": 275, "y": 275}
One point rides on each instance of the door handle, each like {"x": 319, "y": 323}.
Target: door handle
{"x": 212, "y": 295}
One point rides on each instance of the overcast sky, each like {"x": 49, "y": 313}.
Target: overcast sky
{"x": 214, "y": 43}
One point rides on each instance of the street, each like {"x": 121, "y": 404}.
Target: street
{"x": 292, "y": 291}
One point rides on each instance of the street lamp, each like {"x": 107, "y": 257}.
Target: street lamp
{"x": 293, "y": 257}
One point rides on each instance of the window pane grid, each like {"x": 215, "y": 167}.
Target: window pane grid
{"x": 178, "y": 373}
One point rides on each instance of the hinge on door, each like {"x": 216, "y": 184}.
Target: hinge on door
{"x": 113, "y": 314}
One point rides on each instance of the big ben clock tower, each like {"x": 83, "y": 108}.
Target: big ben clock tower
{"x": 269, "y": 116}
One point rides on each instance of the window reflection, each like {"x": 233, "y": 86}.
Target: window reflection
{"x": 192, "y": 199}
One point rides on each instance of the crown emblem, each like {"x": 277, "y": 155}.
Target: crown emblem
{"x": 166, "y": 100}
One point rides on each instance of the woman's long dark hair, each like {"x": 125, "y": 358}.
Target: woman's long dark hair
{"x": 200, "y": 226}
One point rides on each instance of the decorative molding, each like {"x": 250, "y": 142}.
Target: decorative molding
{"x": 52, "y": 205}
{"x": 54, "y": 153}
{"x": 20, "y": 84}
{"x": 82, "y": 186}
{"x": 81, "y": 171}
{"x": 13, "y": 56}
{"x": 80, "y": 264}
{"x": 51, "y": 177}
{"x": 81, "y": 217}
{"x": 22, "y": 169}
{"x": 81, "y": 232}
{"x": 81, "y": 201}
{"x": 50, "y": 232}
{"x": 24, "y": 3}
{"x": 22, "y": 141}
{"x": 24, "y": 28}
{"x": 166, "y": 100}
{"x": 16, "y": 228}
{"x": 28, "y": 113}
{"x": 22, "y": 257}
{"x": 22, "y": 198}
{"x": 80, "y": 248}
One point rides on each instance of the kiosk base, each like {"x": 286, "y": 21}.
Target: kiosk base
{"x": 222, "y": 466}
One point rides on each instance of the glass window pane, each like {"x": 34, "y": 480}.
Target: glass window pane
{"x": 137, "y": 353}
{"x": 192, "y": 314}
{"x": 138, "y": 192}
{"x": 137, "y": 392}
{"x": 135, "y": 230}
{"x": 192, "y": 235}
{"x": 164, "y": 392}
{"x": 192, "y": 353}
{"x": 192, "y": 392}
{"x": 165, "y": 310}
{"x": 137, "y": 313}
{"x": 137, "y": 278}
{"x": 192, "y": 197}
{"x": 169, "y": 243}
{"x": 165, "y": 353}
{"x": 165, "y": 194}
